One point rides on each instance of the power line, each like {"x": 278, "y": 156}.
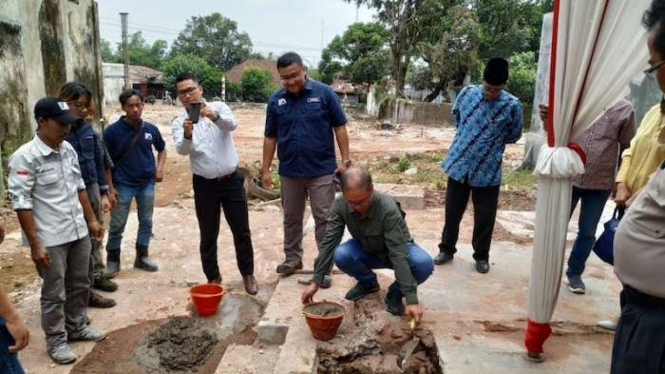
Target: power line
{"x": 154, "y": 31}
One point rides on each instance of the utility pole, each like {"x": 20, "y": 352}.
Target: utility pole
{"x": 125, "y": 48}
{"x": 223, "y": 88}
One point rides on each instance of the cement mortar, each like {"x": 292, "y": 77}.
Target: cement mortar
{"x": 180, "y": 344}
{"x": 373, "y": 346}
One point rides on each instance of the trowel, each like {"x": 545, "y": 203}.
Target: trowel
{"x": 408, "y": 348}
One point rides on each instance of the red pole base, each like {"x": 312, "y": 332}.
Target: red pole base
{"x": 535, "y": 336}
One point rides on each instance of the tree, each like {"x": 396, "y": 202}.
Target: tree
{"x": 107, "y": 51}
{"x": 359, "y": 54}
{"x": 454, "y": 55}
{"x": 216, "y": 39}
{"x": 140, "y": 52}
{"x": 256, "y": 85}
{"x": 509, "y": 26}
{"x": 407, "y": 22}
{"x": 209, "y": 77}
{"x": 522, "y": 82}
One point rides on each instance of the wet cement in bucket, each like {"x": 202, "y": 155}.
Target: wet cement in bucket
{"x": 177, "y": 344}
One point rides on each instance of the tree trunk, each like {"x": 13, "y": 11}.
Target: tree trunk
{"x": 435, "y": 92}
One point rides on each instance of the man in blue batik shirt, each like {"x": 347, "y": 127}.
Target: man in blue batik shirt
{"x": 487, "y": 118}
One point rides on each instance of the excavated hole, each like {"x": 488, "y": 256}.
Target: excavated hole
{"x": 372, "y": 342}
{"x": 176, "y": 344}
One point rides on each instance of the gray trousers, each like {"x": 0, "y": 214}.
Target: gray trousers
{"x": 96, "y": 258}
{"x": 64, "y": 300}
{"x": 294, "y": 193}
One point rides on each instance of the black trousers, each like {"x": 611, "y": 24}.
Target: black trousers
{"x": 639, "y": 341}
{"x": 210, "y": 196}
{"x": 485, "y": 202}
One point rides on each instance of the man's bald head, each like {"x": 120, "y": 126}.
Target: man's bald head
{"x": 356, "y": 177}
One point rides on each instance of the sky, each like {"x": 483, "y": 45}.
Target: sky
{"x": 304, "y": 26}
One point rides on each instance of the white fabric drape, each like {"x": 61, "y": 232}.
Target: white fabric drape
{"x": 620, "y": 53}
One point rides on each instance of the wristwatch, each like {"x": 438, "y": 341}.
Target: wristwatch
{"x": 346, "y": 163}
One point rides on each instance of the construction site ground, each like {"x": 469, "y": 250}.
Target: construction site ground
{"x": 477, "y": 321}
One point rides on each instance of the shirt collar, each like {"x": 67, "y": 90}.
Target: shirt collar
{"x": 44, "y": 149}
{"x": 124, "y": 122}
{"x": 308, "y": 85}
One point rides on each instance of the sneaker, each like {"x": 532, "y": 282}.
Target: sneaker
{"x": 62, "y": 354}
{"x": 87, "y": 334}
{"x": 361, "y": 289}
{"x": 289, "y": 267}
{"x": 607, "y": 324}
{"x": 394, "y": 302}
{"x": 96, "y": 300}
{"x": 575, "y": 285}
{"x": 105, "y": 284}
{"x": 442, "y": 258}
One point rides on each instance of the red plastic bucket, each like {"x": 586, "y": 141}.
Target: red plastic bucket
{"x": 206, "y": 298}
{"x": 324, "y": 327}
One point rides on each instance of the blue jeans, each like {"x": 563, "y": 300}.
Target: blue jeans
{"x": 352, "y": 259}
{"x": 145, "y": 201}
{"x": 8, "y": 361}
{"x": 593, "y": 202}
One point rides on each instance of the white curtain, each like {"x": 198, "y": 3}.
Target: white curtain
{"x": 608, "y": 65}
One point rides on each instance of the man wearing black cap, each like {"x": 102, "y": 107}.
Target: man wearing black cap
{"x": 487, "y": 118}
{"x": 50, "y": 199}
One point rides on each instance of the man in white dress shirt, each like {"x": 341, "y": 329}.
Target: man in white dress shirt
{"x": 217, "y": 182}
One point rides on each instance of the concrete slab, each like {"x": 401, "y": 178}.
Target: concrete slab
{"x": 246, "y": 359}
{"x": 409, "y": 196}
{"x": 465, "y": 350}
{"x": 298, "y": 353}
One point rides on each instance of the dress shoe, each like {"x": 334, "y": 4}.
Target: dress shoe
{"x": 96, "y": 300}
{"x": 251, "y": 286}
{"x": 289, "y": 267}
{"x": 442, "y": 258}
{"x": 482, "y": 266}
{"x": 104, "y": 284}
{"x": 217, "y": 280}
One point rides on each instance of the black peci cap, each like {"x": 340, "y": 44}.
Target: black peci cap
{"x": 496, "y": 72}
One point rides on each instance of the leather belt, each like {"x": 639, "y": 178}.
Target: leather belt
{"x": 219, "y": 179}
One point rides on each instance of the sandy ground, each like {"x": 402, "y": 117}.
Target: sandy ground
{"x": 146, "y": 297}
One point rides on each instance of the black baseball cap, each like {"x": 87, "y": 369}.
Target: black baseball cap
{"x": 53, "y": 107}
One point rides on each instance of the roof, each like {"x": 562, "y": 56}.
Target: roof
{"x": 137, "y": 73}
{"x": 143, "y": 74}
{"x": 235, "y": 73}
{"x": 342, "y": 86}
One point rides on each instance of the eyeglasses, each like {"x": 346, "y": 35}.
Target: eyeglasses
{"x": 362, "y": 202}
{"x": 77, "y": 105}
{"x": 187, "y": 91}
{"x": 652, "y": 69}
{"x": 288, "y": 78}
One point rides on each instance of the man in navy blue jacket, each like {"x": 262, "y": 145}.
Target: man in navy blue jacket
{"x": 88, "y": 146}
{"x": 130, "y": 143}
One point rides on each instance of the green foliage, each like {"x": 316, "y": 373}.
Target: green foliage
{"x": 233, "y": 91}
{"x": 453, "y": 54}
{"x": 216, "y": 39}
{"x": 403, "y": 164}
{"x": 209, "y": 77}
{"x": 509, "y": 26}
{"x": 408, "y": 23}
{"x": 522, "y": 82}
{"x": 256, "y": 85}
{"x": 359, "y": 55}
{"x": 140, "y": 52}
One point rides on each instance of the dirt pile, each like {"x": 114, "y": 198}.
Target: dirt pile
{"x": 372, "y": 345}
{"x": 180, "y": 344}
